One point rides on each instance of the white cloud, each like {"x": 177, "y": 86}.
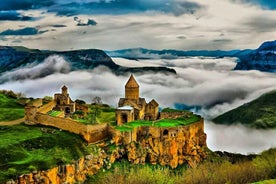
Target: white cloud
{"x": 208, "y": 82}
{"x": 219, "y": 25}
{"x": 238, "y": 139}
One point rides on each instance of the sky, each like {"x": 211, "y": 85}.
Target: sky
{"x": 154, "y": 24}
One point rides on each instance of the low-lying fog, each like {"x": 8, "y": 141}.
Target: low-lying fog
{"x": 206, "y": 82}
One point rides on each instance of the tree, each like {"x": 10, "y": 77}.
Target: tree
{"x": 97, "y": 100}
{"x": 80, "y": 102}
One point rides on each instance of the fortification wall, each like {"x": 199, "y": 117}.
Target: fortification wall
{"x": 61, "y": 123}
{"x": 173, "y": 115}
{"x": 37, "y": 102}
{"x": 47, "y": 107}
{"x": 91, "y": 133}
{"x": 96, "y": 133}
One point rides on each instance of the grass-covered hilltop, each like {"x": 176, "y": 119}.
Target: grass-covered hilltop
{"x": 259, "y": 113}
{"x": 46, "y": 153}
{"x": 10, "y": 107}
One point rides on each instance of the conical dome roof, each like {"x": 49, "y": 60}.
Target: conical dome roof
{"x": 64, "y": 87}
{"x": 131, "y": 83}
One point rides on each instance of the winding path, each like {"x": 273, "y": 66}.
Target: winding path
{"x": 14, "y": 122}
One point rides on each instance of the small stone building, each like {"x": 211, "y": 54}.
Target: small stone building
{"x": 124, "y": 114}
{"x": 64, "y": 102}
{"x": 132, "y": 107}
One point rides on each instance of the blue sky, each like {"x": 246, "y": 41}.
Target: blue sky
{"x": 156, "y": 24}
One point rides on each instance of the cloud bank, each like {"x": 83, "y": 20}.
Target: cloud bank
{"x": 208, "y": 82}
{"x": 51, "y": 65}
{"x": 238, "y": 139}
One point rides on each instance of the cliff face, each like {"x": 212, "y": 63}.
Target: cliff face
{"x": 263, "y": 58}
{"x": 166, "y": 146}
{"x": 70, "y": 173}
{"x": 170, "y": 146}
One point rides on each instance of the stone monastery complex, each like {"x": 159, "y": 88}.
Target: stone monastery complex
{"x": 132, "y": 107}
{"x": 166, "y": 137}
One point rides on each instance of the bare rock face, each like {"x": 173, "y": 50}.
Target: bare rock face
{"x": 70, "y": 173}
{"x": 171, "y": 146}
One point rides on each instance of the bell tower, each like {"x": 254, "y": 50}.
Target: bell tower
{"x": 132, "y": 89}
{"x": 64, "y": 90}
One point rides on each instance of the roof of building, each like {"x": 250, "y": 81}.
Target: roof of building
{"x": 127, "y": 107}
{"x": 132, "y": 83}
{"x": 153, "y": 103}
{"x": 64, "y": 87}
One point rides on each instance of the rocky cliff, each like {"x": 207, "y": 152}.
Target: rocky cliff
{"x": 170, "y": 146}
{"x": 70, "y": 173}
{"x": 163, "y": 145}
{"x": 263, "y": 58}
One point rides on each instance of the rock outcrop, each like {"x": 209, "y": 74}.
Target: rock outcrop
{"x": 70, "y": 173}
{"x": 263, "y": 58}
{"x": 166, "y": 146}
{"x": 170, "y": 146}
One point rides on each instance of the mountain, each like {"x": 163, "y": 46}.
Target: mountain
{"x": 263, "y": 58}
{"x": 142, "y": 53}
{"x": 260, "y": 113}
{"x": 14, "y": 58}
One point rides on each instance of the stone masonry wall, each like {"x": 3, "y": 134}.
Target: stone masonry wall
{"x": 47, "y": 107}
{"x": 172, "y": 115}
{"x": 91, "y": 133}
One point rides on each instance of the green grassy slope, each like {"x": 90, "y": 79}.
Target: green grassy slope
{"x": 26, "y": 148}
{"x": 214, "y": 170}
{"x": 260, "y": 113}
{"x": 181, "y": 121}
{"x": 10, "y": 109}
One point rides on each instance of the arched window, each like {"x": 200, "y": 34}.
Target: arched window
{"x": 166, "y": 132}
{"x": 124, "y": 118}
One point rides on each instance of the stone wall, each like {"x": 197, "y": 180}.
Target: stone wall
{"x": 173, "y": 115}
{"x": 47, "y": 107}
{"x": 90, "y": 133}
{"x": 36, "y": 102}
{"x": 61, "y": 123}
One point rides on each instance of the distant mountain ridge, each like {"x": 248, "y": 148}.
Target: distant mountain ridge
{"x": 142, "y": 53}
{"x": 259, "y": 113}
{"x": 14, "y": 58}
{"x": 263, "y": 58}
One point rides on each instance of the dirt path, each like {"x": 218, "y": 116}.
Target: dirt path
{"x": 14, "y": 122}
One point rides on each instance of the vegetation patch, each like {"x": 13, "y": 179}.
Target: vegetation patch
{"x": 98, "y": 113}
{"x": 10, "y": 109}
{"x": 216, "y": 170}
{"x": 54, "y": 113}
{"x": 260, "y": 113}
{"x": 181, "y": 121}
{"x": 27, "y": 148}
{"x": 172, "y": 110}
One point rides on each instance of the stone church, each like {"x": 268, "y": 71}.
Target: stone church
{"x": 132, "y": 107}
{"x": 64, "y": 102}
